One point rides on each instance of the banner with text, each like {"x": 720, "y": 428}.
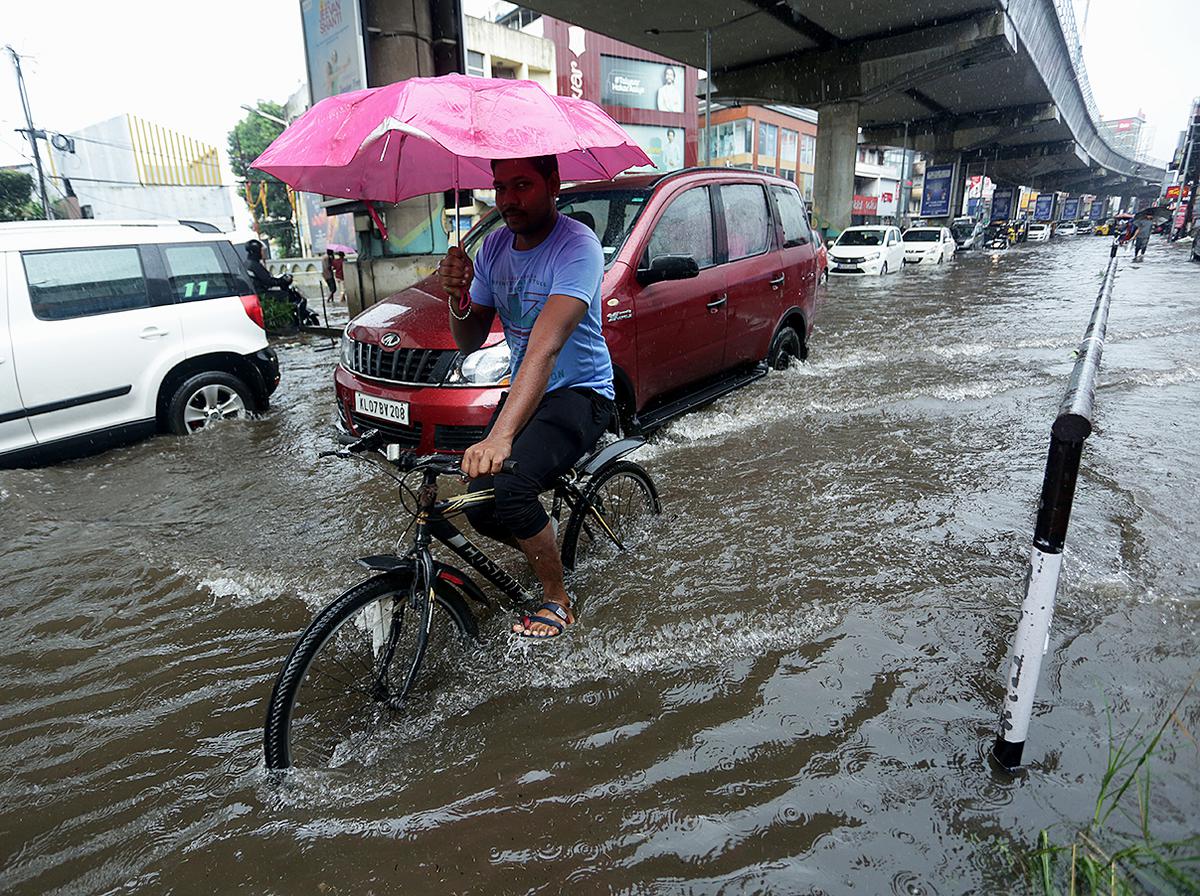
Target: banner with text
{"x": 637, "y": 84}
{"x": 1002, "y": 204}
{"x": 1044, "y": 208}
{"x": 1070, "y": 210}
{"x": 936, "y": 191}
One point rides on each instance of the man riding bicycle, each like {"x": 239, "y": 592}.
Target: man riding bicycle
{"x": 542, "y": 273}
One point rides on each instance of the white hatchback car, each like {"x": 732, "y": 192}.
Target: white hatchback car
{"x": 928, "y": 244}
{"x": 867, "y": 250}
{"x": 1039, "y": 233}
{"x": 109, "y": 331}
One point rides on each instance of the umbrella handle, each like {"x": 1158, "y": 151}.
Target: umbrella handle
{"x": 378, "y": 220}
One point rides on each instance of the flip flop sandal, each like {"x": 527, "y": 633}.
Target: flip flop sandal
{"x": 557, "y": 610}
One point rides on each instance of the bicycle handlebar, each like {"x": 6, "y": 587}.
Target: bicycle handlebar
{"x": 441, "y": 464}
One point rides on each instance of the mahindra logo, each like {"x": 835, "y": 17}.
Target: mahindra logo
{"x": 389, "y": 340}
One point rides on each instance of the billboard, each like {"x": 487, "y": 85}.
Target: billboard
{"x": 663, "y": 145}
{"x": 1044, "y": 208}
{"x": 1002, "y": 204}
{"x": 333, "y": 47}
{"x": 1070, "y": 210}
{"x": 1098, "y": 209}
{"x": 638, "y": 84}
{"x": 936, "y": 191}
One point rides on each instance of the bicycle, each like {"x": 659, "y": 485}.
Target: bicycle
{"x": 358, "y": 659}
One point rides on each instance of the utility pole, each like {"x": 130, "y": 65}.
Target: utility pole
{"x": 30, "y": 132}
{"x": 707, "y": 96}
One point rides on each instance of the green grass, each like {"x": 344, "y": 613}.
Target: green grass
{"x": 277, "y": 314}
{"x": 1120, "y": 855}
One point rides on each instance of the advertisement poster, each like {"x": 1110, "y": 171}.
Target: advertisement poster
{"x": 1044, "y": 208}
{"x": 663, "y": 145}
{"x": 333, "y": 47}
{"x": 1097, "y": 209}
{"x": 935, "y": 193}
{"x": 636, "y": 84}
{"x": 1070, "y": 210}
{"x": 1002, "y": 204}
{"x": 888, "y": 204}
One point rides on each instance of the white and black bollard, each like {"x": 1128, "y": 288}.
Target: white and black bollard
{"x": 1071, "y": 428}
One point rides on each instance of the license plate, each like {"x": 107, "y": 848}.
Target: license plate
{"x": 382, "y": 408}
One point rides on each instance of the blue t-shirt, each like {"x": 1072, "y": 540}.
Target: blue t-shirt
{"x": 517, "y": 283}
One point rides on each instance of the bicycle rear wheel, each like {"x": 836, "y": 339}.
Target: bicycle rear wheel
{"x": 354, "y": 665}
{"x": 624, "y": 495}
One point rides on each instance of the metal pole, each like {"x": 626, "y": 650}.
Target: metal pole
{"x": 1072, "y": 426}
{"x": 30, "y": 132}
{"x": 904, "y": 190}
{"x": 707, "y": 96}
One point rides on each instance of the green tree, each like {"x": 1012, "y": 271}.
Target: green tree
{"x": 16, "y": 188}
{"x": 247, "y": 140}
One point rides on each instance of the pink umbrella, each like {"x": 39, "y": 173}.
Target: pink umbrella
{"x": 426, "y": 135}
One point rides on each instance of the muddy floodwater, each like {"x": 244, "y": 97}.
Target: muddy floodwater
{"x": 789, "y": 686}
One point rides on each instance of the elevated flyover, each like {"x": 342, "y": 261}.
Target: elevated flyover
{"x": 968, "y": 81}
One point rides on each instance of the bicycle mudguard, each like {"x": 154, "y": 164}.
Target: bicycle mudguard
{"x": 384, "y": 562}
{"x": 460, "y": 580}
{"x": 592, "y": 464}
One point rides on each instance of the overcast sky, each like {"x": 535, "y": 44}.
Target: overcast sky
{"x": 86, "y": 61}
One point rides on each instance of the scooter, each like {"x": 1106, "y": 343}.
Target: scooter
{"x": 304, "y": 316}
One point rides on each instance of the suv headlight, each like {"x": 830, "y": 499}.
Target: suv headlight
{"x": 346, "y": 351}
{"x": 485, "y": 367}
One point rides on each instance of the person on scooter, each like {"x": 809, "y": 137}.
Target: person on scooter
{"x": 265, "y": 284}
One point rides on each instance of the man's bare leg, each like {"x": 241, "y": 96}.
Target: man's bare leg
{"x": 542, "y": 553}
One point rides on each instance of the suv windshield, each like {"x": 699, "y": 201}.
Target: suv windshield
{"x": 922, "y": 236}
{"x": 860, "y": 238}
{"x": 962, "y": 229}
{"x": 610, "y": 213}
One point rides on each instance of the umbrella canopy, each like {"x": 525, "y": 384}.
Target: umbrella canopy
{"x": 426, "y": 135}
{"x": 1157, "y": 212}
{"x": 339, "y": 247}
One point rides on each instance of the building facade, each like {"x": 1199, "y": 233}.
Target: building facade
{"x": 780, "y": 140}
{"x": 127, "y": 167}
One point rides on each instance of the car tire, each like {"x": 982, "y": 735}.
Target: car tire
{"x": 785, "y": 348}
{"x": 205, "y": 398}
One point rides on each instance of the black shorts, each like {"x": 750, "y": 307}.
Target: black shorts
{"x": 565, "y": 426}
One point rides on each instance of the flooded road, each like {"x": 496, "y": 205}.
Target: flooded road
{"x": 789, "y": 688}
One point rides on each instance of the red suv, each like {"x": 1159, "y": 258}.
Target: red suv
{"x": 710, "y": 279}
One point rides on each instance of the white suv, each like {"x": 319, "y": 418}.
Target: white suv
{"x": 109, "y": 331}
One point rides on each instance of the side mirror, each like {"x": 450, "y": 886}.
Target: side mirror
{"x": 669, "y": 267}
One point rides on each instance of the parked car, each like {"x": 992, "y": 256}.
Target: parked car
{"x": 928, "y": 244}
{"x": 1065, "y": 228}
{"x": 1039, "y": 232}
{"x": 708, "y": 273}
{"x": 867, "y": 250}
{"x": 1104, "y": 228}
{"x": 967, "y": 233}
{"x": 114, "y": 330}
{"x": 1083, "y": 227}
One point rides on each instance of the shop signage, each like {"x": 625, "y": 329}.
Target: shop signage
{"x": 866, "y": 205}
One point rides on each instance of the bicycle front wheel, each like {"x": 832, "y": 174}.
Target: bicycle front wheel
{"x": 351, "y": 670}
{"x": 624, "y": 500}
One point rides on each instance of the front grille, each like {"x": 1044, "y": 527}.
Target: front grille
{"x": 456, "y": 438}
{"x": 404, "y": 436}
{"x": 423, "y": 366}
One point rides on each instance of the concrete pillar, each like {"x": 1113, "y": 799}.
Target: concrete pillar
{"x": 400, "y": 42}
{"x": 958, "y": 187}
{"x": 833, "y": 168}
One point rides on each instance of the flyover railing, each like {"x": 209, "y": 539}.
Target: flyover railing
{"x": 1071, "y": 428}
